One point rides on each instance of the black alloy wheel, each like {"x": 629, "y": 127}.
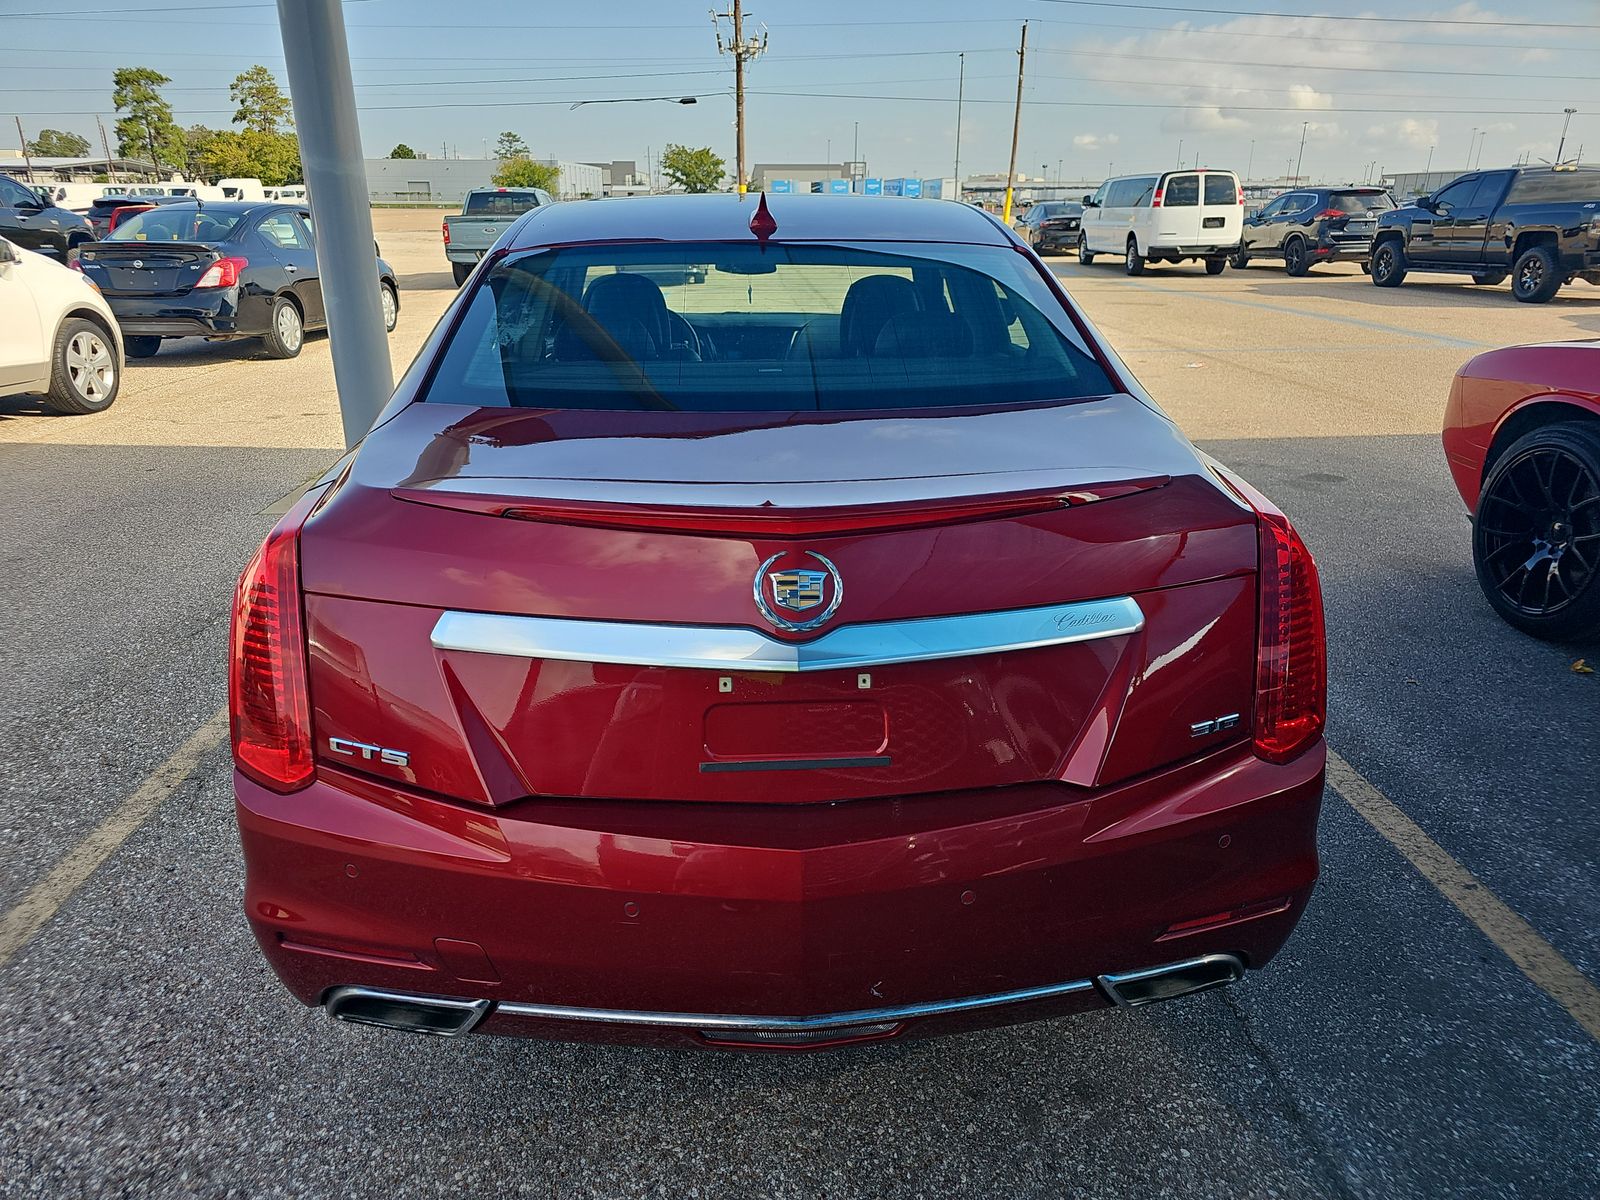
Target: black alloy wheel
{"x": 1388, "y": 263}
{"x": 1536, "y": 536}
{"x": 1296, "y": 258}
{"x": 1536, "y": 277}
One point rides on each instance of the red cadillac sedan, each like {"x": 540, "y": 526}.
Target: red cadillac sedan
{"x": 1522, "y": 437}
{"x": 772, "y": 628}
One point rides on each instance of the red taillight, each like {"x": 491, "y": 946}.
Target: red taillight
{"x": 446, "y": 227}
{"x": 118, "y": 215}
{"x": 74, "y": 265}
{"x": 1155, "y": 201}
{"x": 1291, "y": 647}
{"x": 1331, "y": 212}
{"x": 1239, "y": 199}
{"x": 269, "y": 702}
{"x": 222, "y": 273}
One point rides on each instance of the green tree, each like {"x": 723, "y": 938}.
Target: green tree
{"x": 147, "y": 129}
{"x": 262, "y": 105}
{"x": 58, "y": 143}
{"x": 693, "y": 170}
{"x": 402, "y": 151}
{"x": 197, "y": 141}
{"x": 273, "y": 158}
{"x": 510, "y": 145}
{"x": 525, "y": 173}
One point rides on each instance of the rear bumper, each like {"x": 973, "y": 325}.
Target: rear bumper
{"x": 1197, "y": 250}
{"x": 213, "y": 314}
{"x": 461, "y": 254}
{"x": 944, "y": 912}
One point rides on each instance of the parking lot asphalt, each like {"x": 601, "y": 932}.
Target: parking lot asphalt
{"x": 1393, "y": 1049}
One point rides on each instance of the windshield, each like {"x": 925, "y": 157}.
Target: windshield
{"x": 499, "y": 204}
{"x": 175, "y": 223}
{"x": 1047, "y": 211}
{"x": 1360, "y": 202}
{"x": 746, "y": 327}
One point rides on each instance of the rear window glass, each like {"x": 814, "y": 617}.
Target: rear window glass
{"x": 1556, "y": 187}
{"x": 740, "y": 328}
{"x": 1360, "y": 202}
{"x": 1182, "y": 191}
{"x": 499, "y": 204}
{"x": 1222, "y": 189}
{"x": 1049, "y": 211}
{"x": 175, "y": 223}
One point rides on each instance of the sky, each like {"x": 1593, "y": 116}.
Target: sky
{"x": 1109, "y": 87}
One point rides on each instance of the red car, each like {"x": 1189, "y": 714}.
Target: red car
{"x": 1522, "y": 437}
{"x": 840, "y": 648}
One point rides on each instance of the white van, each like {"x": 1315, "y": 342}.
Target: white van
{"x": 242, "y": 189}
{"x": 1170, "y": 217}
{"x": 289, "y": 194}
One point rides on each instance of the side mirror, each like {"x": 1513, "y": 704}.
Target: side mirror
{"x": 9, "y": 253}
{"x": 1088, "y": 202}
{"x": 1426, "y": 203}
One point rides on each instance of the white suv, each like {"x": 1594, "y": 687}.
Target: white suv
{"x": 57, "y": 336}
{"x": 1167, "y": 217}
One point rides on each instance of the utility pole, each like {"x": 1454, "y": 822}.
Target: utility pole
{"x": 1304, "y": 125}
{"x": 1179, "y": 163}
{"x": 1564, "y": 124}
{"x": 1428, "y": 170}
{"x": 320, "y": 85}
{"x": 26, "y": 157}
{"x": 1016, "y": 126}
{"x": 1250, "y": 162}
{"x": 111, "y": 172}
{"x": 741, "y": 51}
{"x": 961, "y": 94}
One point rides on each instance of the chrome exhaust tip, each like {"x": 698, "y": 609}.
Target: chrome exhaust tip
{"x": 1133, "y": 989}
{"x": 441, "y": 1016}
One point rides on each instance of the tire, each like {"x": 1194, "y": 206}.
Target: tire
{"x": 84, "y": 371}
{"x": 140, "y": 346}
{"x": 1133, "y": 264}
{"x": 1239, "y": 261}
{"x": 1296, "y": 258}
{"x": 286, "y": 330}
{"x": 391, "y": 306}
{"x": 1388, "y": 266}
{"x": 460, "y": 271}
{"x": 1366, "y": 266}
{"x": 1536, "y": 276}
{"x": 1492, "y": 279}
{"x": 1214, "y": 266}
{"x": 1536, "y": 535}
{"x": 1085, "y": 255}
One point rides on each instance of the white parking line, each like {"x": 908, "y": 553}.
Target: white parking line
{"x": 1536, "y": 958}
{"x": 19, "y": 925}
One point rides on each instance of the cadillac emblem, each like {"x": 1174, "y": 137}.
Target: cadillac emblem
{"x": 798, "y": 589}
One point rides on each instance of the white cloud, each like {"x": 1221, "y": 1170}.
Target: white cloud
{"x": 1095, "y": 141}
{"x": 1303, "y": 95}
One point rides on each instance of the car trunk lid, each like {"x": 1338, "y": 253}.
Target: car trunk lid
{"x": 583, "y": 603}
{"x": 146, "y": 268}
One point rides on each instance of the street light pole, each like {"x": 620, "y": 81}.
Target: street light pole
{"x": 1250, "y": 162}
{"x": 324, "y": 96}
{"x": 961, "y": 94}
{"x": 1565, "y": 122}
{"x": 1304, "y": 125}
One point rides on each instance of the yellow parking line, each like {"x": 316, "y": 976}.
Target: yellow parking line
{"x": 19, "y": 925}
{"x": 1536, "y": 958}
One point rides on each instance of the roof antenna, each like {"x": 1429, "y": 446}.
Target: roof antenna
{"x": 763, "y": 224}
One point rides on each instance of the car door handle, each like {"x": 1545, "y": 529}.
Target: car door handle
{"x": 291, "y": 268}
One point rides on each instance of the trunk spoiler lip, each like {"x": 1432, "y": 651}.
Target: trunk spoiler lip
{"x": 761, "y": 510}
{"x": 96, "y": 249}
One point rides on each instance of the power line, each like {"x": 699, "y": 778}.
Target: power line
{"x": 1256, "y": 12}
{"x": 1235, "y": 62}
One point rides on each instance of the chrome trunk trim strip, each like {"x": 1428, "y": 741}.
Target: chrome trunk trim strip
{"x": 723, "y": 648}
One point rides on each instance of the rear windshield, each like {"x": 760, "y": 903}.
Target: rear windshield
{"x": 175, "y": 223}
{"x": 744, "y": 327}
{"x": 1049, "y": 211}
{"x": 1222, "y": 189}
{"x": 499, "y": 204}
{"x": 1360, "y": 202}
{"x": 1555, "y": 187}
{"x": 1182, "y": 191}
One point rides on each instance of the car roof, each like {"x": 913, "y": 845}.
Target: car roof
{"x": 721, "y": 217}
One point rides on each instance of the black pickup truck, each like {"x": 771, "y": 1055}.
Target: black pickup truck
{"x": 1540, "y": 225}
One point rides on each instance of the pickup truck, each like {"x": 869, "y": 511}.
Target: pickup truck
{"x": 484, "y": 216}
{"x": 1540, "y": 225}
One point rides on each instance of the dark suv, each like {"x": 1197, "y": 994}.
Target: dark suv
{"x": 28, "y": 220}
{"x": 1314, "y": 225}
{"x": 1539, "y": 224}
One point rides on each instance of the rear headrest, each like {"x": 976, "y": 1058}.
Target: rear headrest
{"x": 614, "y": 300}
{"x": 868, "y": 307}
{"x": 924, "y": 335}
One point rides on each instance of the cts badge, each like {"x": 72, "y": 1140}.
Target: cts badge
{"x": 798, "y": 589}
{"x": 393, "y": 758}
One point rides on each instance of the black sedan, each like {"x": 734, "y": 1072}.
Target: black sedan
{"x": 218, "y": 270}
{"x": 1051, "y": 227}
{"x": 30, "y": 221}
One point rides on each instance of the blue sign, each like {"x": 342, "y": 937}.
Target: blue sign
{"x": 780, "y": 186}
{"x": 839, "y": 187}
{"x": 911, "y": 187}
{"x": 872, "y": 187}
